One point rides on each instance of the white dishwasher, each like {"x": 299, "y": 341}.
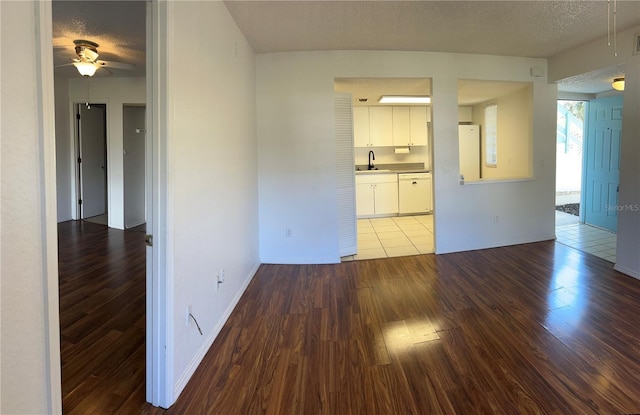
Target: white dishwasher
{"x": 414, "y": 193}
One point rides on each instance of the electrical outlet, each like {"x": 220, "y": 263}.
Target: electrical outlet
{"x": 496, "y": 219}
{"x": 188, "y": 315}
{"x": 288, "y": 233}
{"x": 219, "y": 278}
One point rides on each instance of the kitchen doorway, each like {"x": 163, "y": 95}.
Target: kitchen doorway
{"x": 388, "y": 233}
{"x": 394, "y": 236}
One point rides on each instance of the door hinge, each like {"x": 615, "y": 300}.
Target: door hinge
{"x": 79, "y": 201}
{"x": 77, "y": 116}
{"x": 79, "y": 160}
{"x": 148, "y": 240}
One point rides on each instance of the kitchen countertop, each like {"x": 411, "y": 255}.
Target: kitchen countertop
{"x": 392, "y": 168}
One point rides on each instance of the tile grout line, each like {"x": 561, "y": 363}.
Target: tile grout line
{"x": 399, "y": 228}
{"x": 597, "y": 242}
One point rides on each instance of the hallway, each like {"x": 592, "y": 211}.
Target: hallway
{"x": 102, "y": 318}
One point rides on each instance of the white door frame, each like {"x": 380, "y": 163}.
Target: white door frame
{"x": 159, "y": 385}
{"x": 46, "y": 133}
{"x": 76, "y": 188}
{"x": 158, "y": 381}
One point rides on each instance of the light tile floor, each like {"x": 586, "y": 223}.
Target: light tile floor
{"x": 394, "y": 236}
{"x": 413, "y": 235}
{"x": 589, "y": 239}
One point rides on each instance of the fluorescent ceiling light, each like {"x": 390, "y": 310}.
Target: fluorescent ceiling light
{"x": 404, "y": 99}
{"x": 618, "y": 84}
{"x": 86, "y": 68}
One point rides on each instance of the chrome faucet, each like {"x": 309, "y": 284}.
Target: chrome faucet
{"x": 371, "y": 155}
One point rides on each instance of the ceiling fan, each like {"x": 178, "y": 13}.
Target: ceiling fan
{"x": 87, "y": 62}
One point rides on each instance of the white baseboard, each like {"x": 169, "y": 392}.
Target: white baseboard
{"x": 300, "y": 261}
{"x": 197, "y": 359}
{"x": 627, "y": 271}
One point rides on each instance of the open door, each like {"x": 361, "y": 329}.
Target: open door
{"x": 602, "y": 167}
{"x": 345, "y": 176}
{"x": 134, "y": 135}
{"x": 92, "y": 159}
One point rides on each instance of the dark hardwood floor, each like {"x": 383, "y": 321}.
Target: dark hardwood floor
{"x": 529, "y": 329}
{"x": 102, "y": 318}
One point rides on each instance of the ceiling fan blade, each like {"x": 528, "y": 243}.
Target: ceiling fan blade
{"x": 103, "y": 72}
{"x": 66, "y": 64}
{"x": 116, "y": 65}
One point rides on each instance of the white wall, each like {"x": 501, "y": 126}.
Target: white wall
{"x": 514, "y": 126}
{"x": 115, "y": 92}
{"x": 297, "y": 161}
{"x": 29, "y": 369}
{"x": 212, "y": 215}
{"x": 597, "y": 55}
{"x": 628, "y": 244}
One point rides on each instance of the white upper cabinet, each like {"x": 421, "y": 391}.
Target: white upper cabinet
{"x": 418, "y": 117}
{"x": 401, "y": 126}
{"x": 409, "y": 126}
{"x": 361, "y": 127}
{"x": 380, "y": 126}
{"x": 390, "y": 126}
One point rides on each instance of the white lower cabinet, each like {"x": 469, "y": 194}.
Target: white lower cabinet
{"x": 365, "y": 206}
{"x": 376, "y": 194}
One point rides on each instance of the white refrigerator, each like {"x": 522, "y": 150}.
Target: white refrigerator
{"x": 469, "y": 142}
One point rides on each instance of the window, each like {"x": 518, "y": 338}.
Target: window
{"x": 491, "y": 135}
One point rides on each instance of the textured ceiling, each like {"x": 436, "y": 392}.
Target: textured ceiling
{"x": 591, "y": 82}
{"x": 511, "y": 28}
{"x": 472, "y": 92}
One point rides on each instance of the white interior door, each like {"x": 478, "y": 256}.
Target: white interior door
{"x": 92, "y": 160}
{"x": 345, "y": 176}
{"x": 134, "y": 134}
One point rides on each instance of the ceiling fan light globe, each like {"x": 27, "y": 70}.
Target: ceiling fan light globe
{"x": 86, "y": 68}
{"x": 618, "y": 84}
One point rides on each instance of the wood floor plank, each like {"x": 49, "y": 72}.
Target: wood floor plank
{"x": 102, "y": 319}
{"x": 486, "y": 348}
{"x": 528, "y": 329}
